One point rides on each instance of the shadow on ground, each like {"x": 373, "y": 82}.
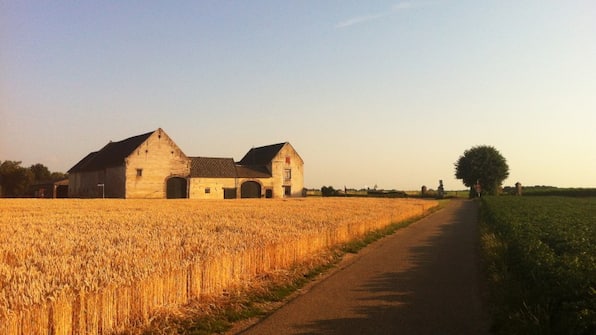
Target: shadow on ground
{"x": 435, "y": 294}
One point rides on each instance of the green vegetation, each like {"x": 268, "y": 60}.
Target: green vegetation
{"x": 563, "y": 192}
{"x": 432, "y": 194}
{"x": 329, "y": 191}
{"x": 15, "y": 180}
{"x": 482, "y": 169}
{"x": 540, "y": 257}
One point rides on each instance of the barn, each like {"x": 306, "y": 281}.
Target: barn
{"x": 151, "y": 165}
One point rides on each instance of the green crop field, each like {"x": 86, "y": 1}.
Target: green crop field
{"x": 540, "y": 257}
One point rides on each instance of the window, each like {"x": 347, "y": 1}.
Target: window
{"x": 139, "y": 172}
{"x": 288, "y": 160}
{"x": 207, "y": 190}
{"x": 287, "y": 174}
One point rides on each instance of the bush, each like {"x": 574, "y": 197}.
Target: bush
{"x": 328, "y": 191}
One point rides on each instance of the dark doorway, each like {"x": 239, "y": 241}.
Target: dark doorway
{"x": 176, "y": 188}
{"x": 268, "y": 193}
{"x": 250, "y": 189}
{"x": 62, "y": 191}
{"x": 229, "y": 193}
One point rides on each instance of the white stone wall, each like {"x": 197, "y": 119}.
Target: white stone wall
{"x": 287, "y": 159}
{"x": 210, "y": 188}
{"x": 158, "y": 158}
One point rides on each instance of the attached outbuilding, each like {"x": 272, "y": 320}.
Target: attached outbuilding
{"x": 49, "y": 189}
{"x": 213, "y": 178}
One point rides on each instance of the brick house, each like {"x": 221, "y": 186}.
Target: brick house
{"x": 151, "y": 165}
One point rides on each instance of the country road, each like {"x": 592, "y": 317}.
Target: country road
{"x": 424, "y": 279}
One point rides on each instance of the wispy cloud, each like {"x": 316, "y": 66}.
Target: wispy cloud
{"x": 359, "y": 19}
{"x": 404, "y": 5}
{"x": 401, "y": 6}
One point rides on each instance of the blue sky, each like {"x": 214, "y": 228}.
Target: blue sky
{"x": 386, "y": 93}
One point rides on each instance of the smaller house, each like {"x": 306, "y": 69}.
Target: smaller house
{"x": 273, "y": 171}
{"x": 281, "y": 163}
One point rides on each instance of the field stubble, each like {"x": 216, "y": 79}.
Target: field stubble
{"x": 100, "y": 266}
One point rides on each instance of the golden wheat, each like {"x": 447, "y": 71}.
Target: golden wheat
{"x": 97, "y": 266}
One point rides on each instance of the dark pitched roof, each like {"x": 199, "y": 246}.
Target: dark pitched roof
{"x": 261, "y": 155}
{"x": 113, "y": 154}
{"x": 252, "y": 171}
{"x": 82, "y": 162}
{"x": 208, "y": 167}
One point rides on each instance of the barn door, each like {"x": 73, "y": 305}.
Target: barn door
{"x": 176, "y": 188}
{"x": 250, "y": 189}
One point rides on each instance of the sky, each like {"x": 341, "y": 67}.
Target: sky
{"x": 385, "y": 93}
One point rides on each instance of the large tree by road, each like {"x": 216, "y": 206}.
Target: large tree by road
{"x": 482, "y": 167}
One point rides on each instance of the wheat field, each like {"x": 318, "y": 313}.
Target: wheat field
{"x": 99, "y": 266}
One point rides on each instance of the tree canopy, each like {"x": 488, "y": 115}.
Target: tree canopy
{"x": 484, "y": 166}
{"x": 16, "y": 179}
{"x": 40, "y": 172}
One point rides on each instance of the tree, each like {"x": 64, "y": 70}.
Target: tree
{"x": 484, "y": 166}
{"x": 328, "y": 191}
{"x": 14, "y": 179}
{"x": 58, "y": 176}
{"x": 40, "y": 172}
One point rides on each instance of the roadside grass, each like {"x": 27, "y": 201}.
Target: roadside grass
{"x": 355, "y": 246}
{"x": 218, "y": 315}
{"x": 243, "y": 305}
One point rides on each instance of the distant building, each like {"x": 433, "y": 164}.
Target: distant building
{"x": 49, "y": 189}
{"x": 151, "y": 165}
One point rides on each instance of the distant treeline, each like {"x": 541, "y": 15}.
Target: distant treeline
{"x": 553, "y": 191}
{"x": 17, "y": 180}
{"x": 329, "y": 191}
{"x": 538, "y": 190}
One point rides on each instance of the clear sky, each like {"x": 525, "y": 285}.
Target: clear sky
{"x": 386, "y": 93}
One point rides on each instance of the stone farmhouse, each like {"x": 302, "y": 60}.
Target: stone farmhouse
{"x": 151, "y": 165}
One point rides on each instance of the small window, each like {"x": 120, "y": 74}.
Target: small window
{"x": 207, "y": 190}
{"x": 288, "y": 160}
{"x": 139, "y": 172}
{"x": 287, "y": 174}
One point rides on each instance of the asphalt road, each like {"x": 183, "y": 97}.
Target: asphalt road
{"x": 424, "y": 279}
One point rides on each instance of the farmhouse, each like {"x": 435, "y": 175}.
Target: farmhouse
{"x": 151, "y": 165}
